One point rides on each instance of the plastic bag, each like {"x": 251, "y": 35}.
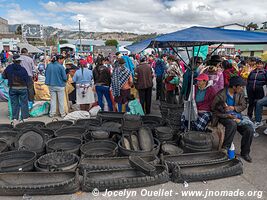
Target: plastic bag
{"x": 77, "y": 115}
{"x": 40, "y": 108}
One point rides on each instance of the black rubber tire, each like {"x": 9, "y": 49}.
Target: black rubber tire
{"x": 87, "y": 122}
{"x": 71, "y": 131}
{"x": 68, "y": 184}
{"x": 141, "y": 165}
{"x": 110, "y": 116}
{"x": 3, "y": 146}
{"x": 57, "y": 159}
{"x": 103, "y": 163}
{"x": 49, "y": 133}
{"x": 100, "y": 135}
{"x": 122, "y": 181}
{"x": 99, "y": 148}
{"x": 126, "y": 152}
{"x": 188, "y": 148}
{"x": 30, "y": 124}
{"x": 134, "y": 142}
{"x": 131, "y": 121}
{"x": 225, "y": 169}
{"x": 55, "y": 125}
{"x": 113, "y": 127}
{"x": 145, "y": 139}
{"x": 16, "y": 161}
{"x": 193, "y": 159}
{"x": 40, "y": 149}
{"x": 197, "y": 138}
{"x": 170, "y": 149}
{"x": 66, "y": 144}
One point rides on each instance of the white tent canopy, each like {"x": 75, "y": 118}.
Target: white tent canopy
{"x": 29, "y": 47}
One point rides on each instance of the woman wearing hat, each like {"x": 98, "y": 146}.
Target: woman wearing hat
{"x": 204, "y": 95}
{"x": 83, "y": 80}
{"x": 173, "y": 78}
{"x": 215, "y": 73}
{"x": 121, "y": 81}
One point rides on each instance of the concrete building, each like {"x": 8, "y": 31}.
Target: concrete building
{"x": 3, "y": 26}
{"x": 9, "y": 44}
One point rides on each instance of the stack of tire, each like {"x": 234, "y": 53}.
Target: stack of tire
{"x": 130, "y": 123}
{"x": 205, "y": 166}
{"x": 172, "y": 114}
{"x": 140, "y": 142}
{"x": 195, "y": 141}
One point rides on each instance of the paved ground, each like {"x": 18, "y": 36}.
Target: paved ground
{"x": 253, "y": 179}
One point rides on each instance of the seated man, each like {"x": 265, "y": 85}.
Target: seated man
{"x": 233, "y": 97}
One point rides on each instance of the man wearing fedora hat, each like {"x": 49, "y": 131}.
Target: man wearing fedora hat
{"x": 234, "y": 99}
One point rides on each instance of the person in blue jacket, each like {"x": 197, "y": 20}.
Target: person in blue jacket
{"x": 55, "y": 78}
{"x": 160, "y": 68}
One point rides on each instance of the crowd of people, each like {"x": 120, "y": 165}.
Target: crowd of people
{"x": 126, "y": 84}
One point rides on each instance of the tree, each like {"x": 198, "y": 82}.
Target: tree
{"x": 18, "y": 30}
{"x": 252, "y": 26}
{"x": 63, "y": 41}
{"x": 111, "y": 43}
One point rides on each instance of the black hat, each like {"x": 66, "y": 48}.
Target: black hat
{"x": 17, "y": 57}
{"x": 143, "y": 59}
{"x": 121, "y": 61}
{"x": 214, "y": 60}
{"x": 236, "y": 81}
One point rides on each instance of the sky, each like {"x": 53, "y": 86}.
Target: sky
{"x": 135, "y": 16}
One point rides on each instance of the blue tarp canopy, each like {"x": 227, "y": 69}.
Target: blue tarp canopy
{"x": 198, "y": 36}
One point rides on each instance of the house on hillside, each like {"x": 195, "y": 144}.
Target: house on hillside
{"x": 233, "y": 26}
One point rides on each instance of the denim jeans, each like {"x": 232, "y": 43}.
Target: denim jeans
{"x": 19, "y": 101}
{"x": 103, "y": 91}
{"x": 258, "y": 113}
{"x": 57, "y": 93}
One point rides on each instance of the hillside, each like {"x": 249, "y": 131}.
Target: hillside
{"x": 50, "y": 31}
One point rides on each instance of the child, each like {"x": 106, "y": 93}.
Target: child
{"x": 134, "y": 106}
{"x": 237, "y": 117}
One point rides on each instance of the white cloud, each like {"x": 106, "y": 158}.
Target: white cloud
{"x": 143, "y": 16}
{"x": 17, "y": 15}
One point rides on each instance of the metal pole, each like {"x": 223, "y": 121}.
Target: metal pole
{"x": 191, "y": 91}
{"x": 178, "y": 54}
{"x": 80, "y": 35}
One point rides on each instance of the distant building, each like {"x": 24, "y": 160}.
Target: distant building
{"x": 88, "y": 45}
{"x": 3, "y": 26}
{"x": 233, "y": 26}
{"x": 264, "y": 25}
{"x": 244, "y": 50}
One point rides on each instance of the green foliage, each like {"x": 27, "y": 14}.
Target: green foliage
{"x": 252, "y": 26}
{"x": 111, "y": 43}
{"x": 63, "y": 41}
{"x": 18, "y": 30}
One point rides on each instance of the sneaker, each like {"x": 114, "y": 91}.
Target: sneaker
{"x": 23, "y": 120}
{"x": 255, "y": 134}
{"x": 258, "y": 124}
{"x": 14, "y": 122}
{"x": 265, "y": 131}
{"x": 51, "y": 116}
